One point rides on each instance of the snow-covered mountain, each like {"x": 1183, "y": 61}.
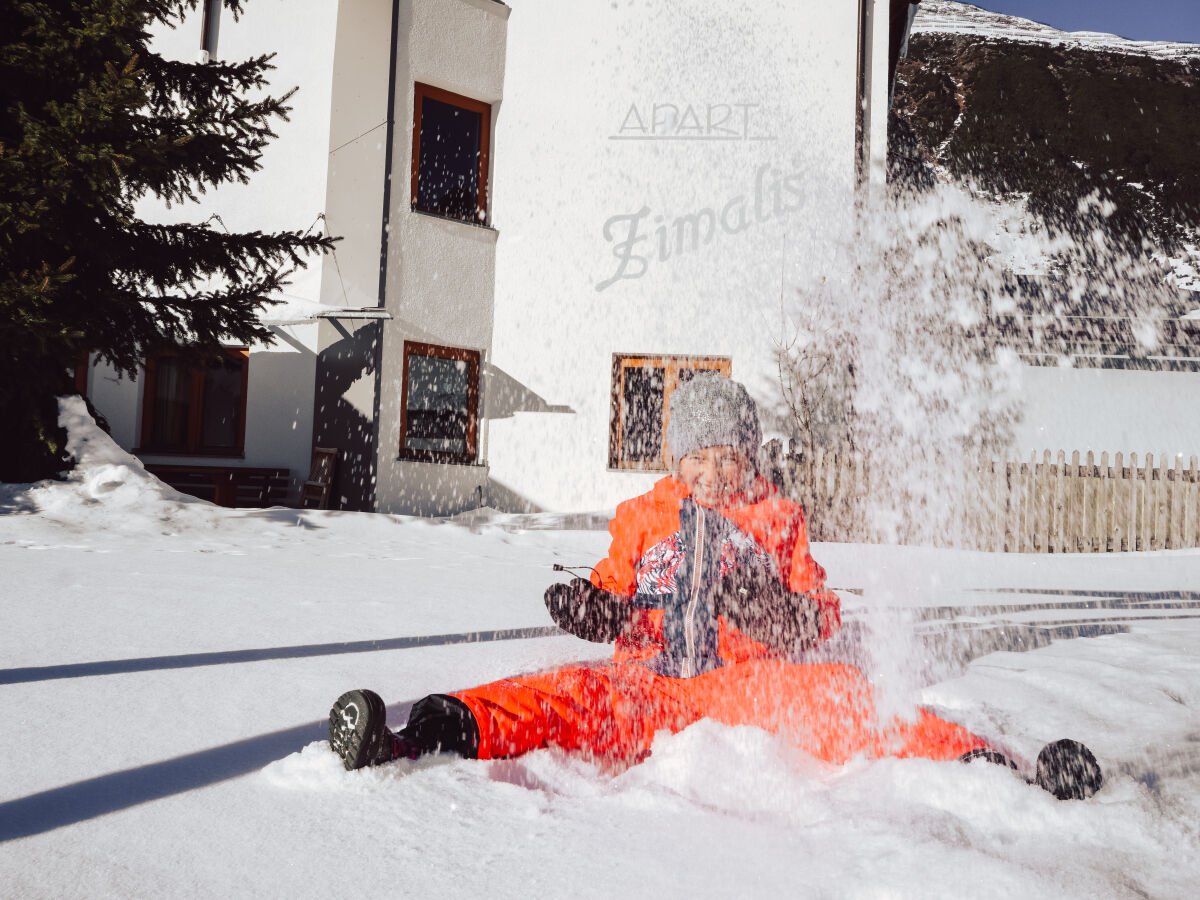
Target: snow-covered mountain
{"x": 948, "y": 17}
{"x": 1064, "y": 132}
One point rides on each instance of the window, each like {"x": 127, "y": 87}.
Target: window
{"x": 450, "y": 154}
{"x": 201, "y": 409}
{"x": 641, "y": 394}
{"x": 439, "y": 399}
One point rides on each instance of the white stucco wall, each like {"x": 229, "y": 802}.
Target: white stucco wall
{"x": 357, "y": 151}
{"x": 579, "y": 75}
{"x": 278, "y": 408}
{"x": 289, "y": 190}
{"x": 441, "y": 273}
{"x": 1108, "y": 410}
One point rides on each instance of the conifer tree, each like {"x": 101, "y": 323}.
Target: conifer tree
{"x": 91, "y": 121}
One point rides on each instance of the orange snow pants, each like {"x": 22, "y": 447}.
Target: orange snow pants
{"x": 614, "y": 711}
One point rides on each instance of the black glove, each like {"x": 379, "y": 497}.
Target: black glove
{"x": 757, "y": 605}
{"x": 586, "y": 611}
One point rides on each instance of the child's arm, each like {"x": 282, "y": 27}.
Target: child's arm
{"x": 617, "y": 572}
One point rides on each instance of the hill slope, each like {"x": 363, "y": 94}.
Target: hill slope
{"x": 1081, "y": 130}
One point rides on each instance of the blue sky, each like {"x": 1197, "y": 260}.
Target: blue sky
{"x": 1139, "y": 20}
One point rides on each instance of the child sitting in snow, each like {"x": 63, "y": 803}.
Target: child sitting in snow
{"x": 708, "y": 591}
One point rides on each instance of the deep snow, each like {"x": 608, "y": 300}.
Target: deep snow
{"x": 167, "y": 666}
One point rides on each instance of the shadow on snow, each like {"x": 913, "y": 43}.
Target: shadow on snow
{"x": 223, "y": 657}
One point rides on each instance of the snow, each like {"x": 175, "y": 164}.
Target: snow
{"x": 168, "y": 665}
{"x": 946, "y": 16}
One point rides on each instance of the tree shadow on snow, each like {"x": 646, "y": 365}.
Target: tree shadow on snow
{"x": 94, "y": 797}
{"x": 224, "y": 657}
{"x": 14, "y": 498}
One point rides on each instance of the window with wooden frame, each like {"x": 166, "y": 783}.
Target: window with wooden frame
{"x": 439, "y": 403}
{"x": 451, "y": 135}
{"x": 195, "y": 408}
{"x": 641, "y": 394}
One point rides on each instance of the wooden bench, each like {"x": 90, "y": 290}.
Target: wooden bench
{"x": 240, "y": 486}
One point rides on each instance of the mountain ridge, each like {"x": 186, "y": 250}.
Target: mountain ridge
{"x": 1080, "y": 131}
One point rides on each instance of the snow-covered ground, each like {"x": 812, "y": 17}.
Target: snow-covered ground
{"x": 167, "y": 667}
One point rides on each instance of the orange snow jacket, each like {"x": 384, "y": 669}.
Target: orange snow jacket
{"x": 776, "y": 526}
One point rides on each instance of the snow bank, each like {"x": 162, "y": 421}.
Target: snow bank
{"x": 108, "y": 487}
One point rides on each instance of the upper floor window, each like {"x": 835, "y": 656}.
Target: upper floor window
{"x": 189, "y": 408}
{"x": 450, "y": 154}
{"x": 641, "y": 394}
{"x": 439, "y": 403}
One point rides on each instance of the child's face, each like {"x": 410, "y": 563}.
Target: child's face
{"x": 713, "y": 475}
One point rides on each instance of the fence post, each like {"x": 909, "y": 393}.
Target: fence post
{"x": 1193, "y": 503}
{"x": 1171, "y": 535}
{"x": 1104, "y": 517}
{"x": 1124, "y": 503}
{"x": 1087, "y": 504}
{"x": 1028, "y": 504}
{"x": 1150, "y": 509}
{"x": 1010, "y": 524}
{"x": 1074, "y": 518}
{"x": 1059, "y": 509}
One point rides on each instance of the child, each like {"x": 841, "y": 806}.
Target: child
{"x": 707, "y": 590}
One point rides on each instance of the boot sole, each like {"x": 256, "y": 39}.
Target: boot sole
{"x": 356, "y": 720}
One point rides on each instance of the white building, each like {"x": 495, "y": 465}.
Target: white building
{"x": 550, "y": 214}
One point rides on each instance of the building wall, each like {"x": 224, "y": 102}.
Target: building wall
{"x": 440, "y": 273}
{"x": 1108, "y": 410}
{"x": 279, "y": 406}
{"x": 348, "y": 350}
{"x": 570, "y": 186}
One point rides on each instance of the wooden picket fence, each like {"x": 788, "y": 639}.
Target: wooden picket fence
{"x": 1094, "y": 506}
{"x": 1051, "y": 505}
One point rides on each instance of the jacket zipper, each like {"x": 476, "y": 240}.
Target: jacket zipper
{"x": 689, "y": 617}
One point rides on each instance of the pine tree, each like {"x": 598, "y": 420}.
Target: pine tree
{"x": 91, "y": 121}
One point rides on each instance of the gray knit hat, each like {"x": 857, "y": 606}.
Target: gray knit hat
{"x": 712, "y": 411}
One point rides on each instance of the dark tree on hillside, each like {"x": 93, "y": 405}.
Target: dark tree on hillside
{"x": 1057, "y": 124}
{"x": 92, "y": 120}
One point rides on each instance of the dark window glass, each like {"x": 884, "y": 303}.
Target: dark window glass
{"x": 642, "y": 414}
{"x": 171, "y": 405}
{"x": 195, "y": 408}
{"x": 222, "y": 406}
{"x": 438, "y": 408}
{"x": 448, "y": 165}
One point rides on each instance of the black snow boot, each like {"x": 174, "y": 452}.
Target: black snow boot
{"x": 1068, "y": 770}
{"x": 358, "y": 731}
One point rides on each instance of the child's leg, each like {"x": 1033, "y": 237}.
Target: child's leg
{"x": 825, "y": 709}
{"x": 605, "y": 711}
{"x": 441, "y": 724}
